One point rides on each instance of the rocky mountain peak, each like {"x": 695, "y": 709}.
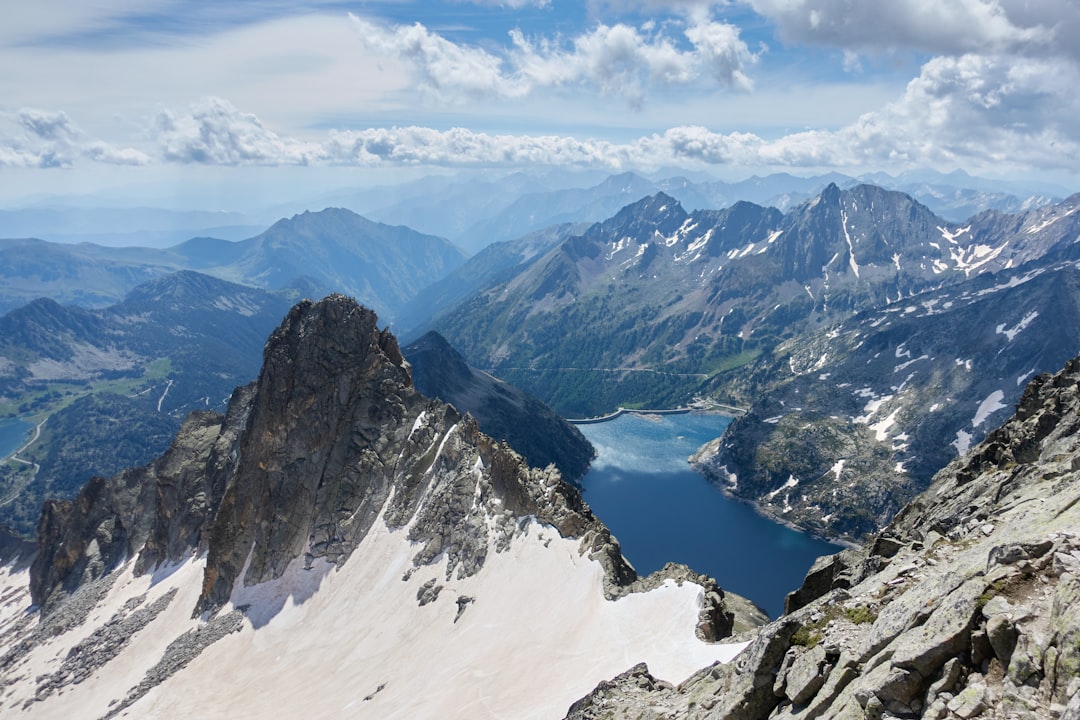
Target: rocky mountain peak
{"x": 659, "y": 213}
{"x": 331, "y": 439}
{"x": 325, "y": 513}
{"x": 830, "y": 195}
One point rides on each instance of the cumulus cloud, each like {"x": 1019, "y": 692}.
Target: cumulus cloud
{"x": 32, "y": 137}
{"x": 462, "y": 147}
{"x": 988, "y": 109}
{"x": 973, "y": 111}
{"x": 214, "y": 132}
{"x": 444, "y": 69}
{"x": 969, "y": 111}
{"x": 616, "y": 60}
{"x": 937, "y": 26}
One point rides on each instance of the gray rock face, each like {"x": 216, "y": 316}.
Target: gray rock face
{"x": 502, "y": 411}
{"x": 964, "y": 607}
{"x": 111, "y": 520}
{"x": 329, "y": 440}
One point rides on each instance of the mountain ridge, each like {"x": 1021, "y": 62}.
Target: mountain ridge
{"x": 244, "y": 535}
{"x": 338, "y": 249}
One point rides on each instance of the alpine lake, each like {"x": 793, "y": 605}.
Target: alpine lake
{"x": 14, "y": 433}
{"x": 643, "y": 488}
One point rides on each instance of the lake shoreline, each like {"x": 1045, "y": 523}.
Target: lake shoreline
{"x": 22, "y": 430}
{"x": 724, "y": 410}
{"x": 763, "y": 512}
{"x": 662, "y": 510}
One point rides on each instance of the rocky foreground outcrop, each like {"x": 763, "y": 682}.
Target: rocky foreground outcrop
{"x": 966, "y": 606}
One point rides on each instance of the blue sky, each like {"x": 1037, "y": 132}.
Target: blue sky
{"x": 169, "y": 93}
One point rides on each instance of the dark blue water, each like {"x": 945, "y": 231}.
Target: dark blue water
{"x": 13, "y": 435}
{"x": 641, "y": 486}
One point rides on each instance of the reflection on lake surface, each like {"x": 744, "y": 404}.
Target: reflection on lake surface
{"x": 13, "y": 435}
{"x": 642, "y": 487}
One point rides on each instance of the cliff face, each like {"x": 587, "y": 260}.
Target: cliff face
{"x": 327, "y": 512}
{"x": 963, "y": 607}
{"x": 503, "y": 411}
{"x": 330, "y": 437}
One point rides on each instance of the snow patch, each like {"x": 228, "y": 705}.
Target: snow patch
{"x": 903, "y": 366}
{"x": 851, "y": 250}
{"x": 330, "y": 641}
{"x": 952, "y": 235}
{"x": 1050, "y": 221}
{"x": 618, "y": 247}
{"x": 881, "y": 429}
{"x": 987, "y": 407}
{"x": 791, "y": 484}
{"x": 1011, "y": 333}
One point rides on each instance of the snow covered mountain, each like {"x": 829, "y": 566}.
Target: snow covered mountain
{"x": 840, "y": 322}
{"x": 336, "y": 544}
{"x": 650, "y": 304}
{"x": 847, "y": 424}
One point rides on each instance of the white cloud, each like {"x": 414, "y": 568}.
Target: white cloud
{"x": 214, "y": 132}
{"x": 616, "y": 60}
{"x": 950, "y": 27}
{"x": 980, "y": 109}
{"x": 462, "y": 147}
{"x": 445, "y": 70}
{"x": 722, "y": 52}
{"x": 32, "y": 137}
{"x": 972, "y": 111}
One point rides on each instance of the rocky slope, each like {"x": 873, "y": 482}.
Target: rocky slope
{"x": 963, "y": 607}
{"x": 501, "y": 410}
{"x": 848, "y": 424}
{"x": 337, "y": 518}
{"x": 494, "y": 263}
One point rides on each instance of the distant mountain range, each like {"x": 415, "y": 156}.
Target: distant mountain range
{"x": 319, "y": 252}
{"x": 474, "y": 213}
{"x": 76, "y": 222}
{"x": 811, "y": 315}
{"x": 475, "y": 209}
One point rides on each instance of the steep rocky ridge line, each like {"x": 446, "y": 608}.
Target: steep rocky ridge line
{"x": 502, "y": 411}
{"x": 329, "y": 440}
{"x": 963, "y": 607}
